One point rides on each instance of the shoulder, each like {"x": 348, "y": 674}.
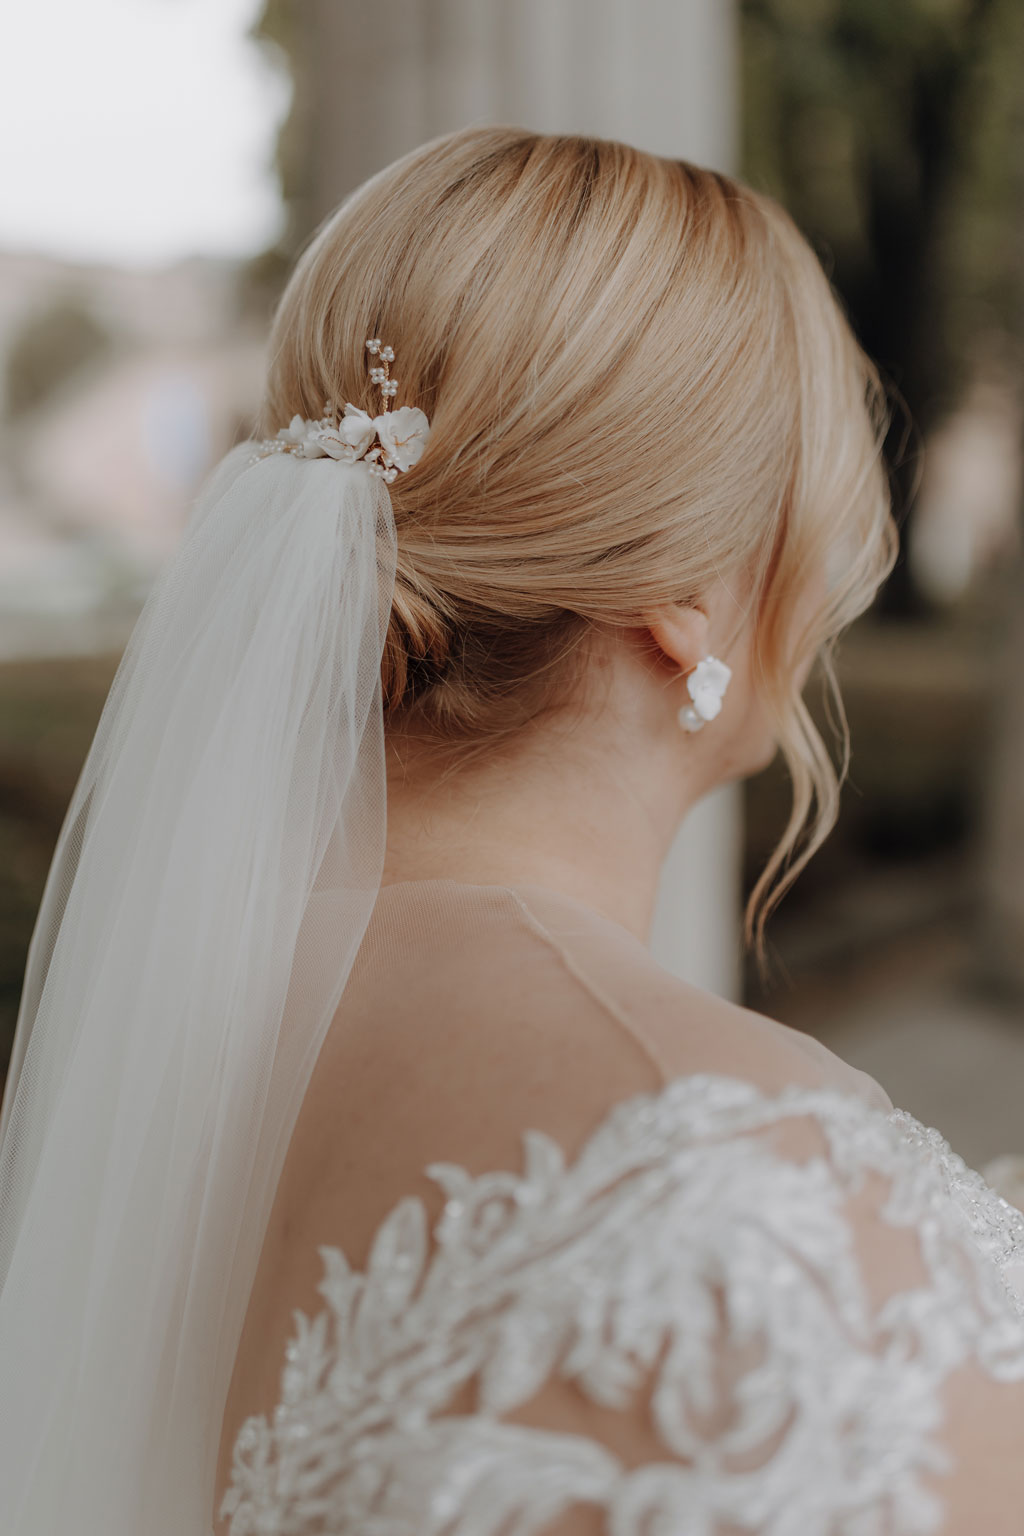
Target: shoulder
{"x": 522, "y": 1182}
{"x": 677, "y": 1284}
{"x": 686, "y": 1028}
{"x": 453, "y": 1059}
{"x": 489, "y": 1010}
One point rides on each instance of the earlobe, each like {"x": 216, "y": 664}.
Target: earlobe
{"x": 681, "y": 632}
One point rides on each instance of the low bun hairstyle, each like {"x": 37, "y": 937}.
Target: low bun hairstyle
{"x": 638, "y": 380}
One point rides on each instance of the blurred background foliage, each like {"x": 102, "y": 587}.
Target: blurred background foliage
{"x": 49, "y": 710}
{"x": 894, "y": 134}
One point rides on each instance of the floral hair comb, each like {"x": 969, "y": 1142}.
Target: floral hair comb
{"x": 401, "y": 435}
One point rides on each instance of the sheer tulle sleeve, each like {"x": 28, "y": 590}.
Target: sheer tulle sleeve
{"x": 730, "y": 1311}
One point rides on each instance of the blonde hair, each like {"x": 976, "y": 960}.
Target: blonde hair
{"x": 639, "y": 380}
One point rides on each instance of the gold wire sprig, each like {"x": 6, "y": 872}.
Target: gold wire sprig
{"x": 382, "y": 376}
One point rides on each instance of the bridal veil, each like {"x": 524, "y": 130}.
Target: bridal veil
{"x": 215, "y": 872}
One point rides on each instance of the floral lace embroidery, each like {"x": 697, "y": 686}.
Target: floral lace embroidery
{"x": 608, "y": 1273}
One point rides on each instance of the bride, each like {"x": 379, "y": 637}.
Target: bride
{"x": 361, "y": 1172}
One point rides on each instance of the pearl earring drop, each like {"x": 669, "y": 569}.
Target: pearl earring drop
{"x": 706, "y": 686}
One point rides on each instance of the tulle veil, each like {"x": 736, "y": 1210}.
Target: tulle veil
{"x": 213, "y": 878}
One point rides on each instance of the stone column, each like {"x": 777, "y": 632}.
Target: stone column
{"x": 1000, "y": 929}
{"x": 375, "y": 80}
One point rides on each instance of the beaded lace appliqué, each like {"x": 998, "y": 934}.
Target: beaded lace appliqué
{"x": 616, "y": 1272}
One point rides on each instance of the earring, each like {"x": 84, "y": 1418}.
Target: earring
{"x": 706, "y": 685}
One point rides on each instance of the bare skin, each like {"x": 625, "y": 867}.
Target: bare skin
{"x": 590, "y": 807}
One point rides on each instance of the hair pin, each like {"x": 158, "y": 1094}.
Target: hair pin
{"x": 401, "y": 435}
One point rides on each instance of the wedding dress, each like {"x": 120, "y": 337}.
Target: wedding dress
{"x": 558, "y": 1233}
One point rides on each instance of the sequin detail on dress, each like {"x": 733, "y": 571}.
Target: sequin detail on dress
{"x": 678, "y": 1219}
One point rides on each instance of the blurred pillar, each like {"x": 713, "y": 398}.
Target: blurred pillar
{"x": 1001, "y": 930}
{"x": 373, "y": 81}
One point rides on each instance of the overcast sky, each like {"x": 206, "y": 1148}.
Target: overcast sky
{"x": 137, "y": 131}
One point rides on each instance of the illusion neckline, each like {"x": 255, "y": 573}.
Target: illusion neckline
{"x": 514, "y": 887}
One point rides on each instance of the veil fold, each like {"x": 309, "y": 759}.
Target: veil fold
{"x": 212, "y": 881}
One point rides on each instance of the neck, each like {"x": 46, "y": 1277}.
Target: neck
{"x": 595, "y": 825}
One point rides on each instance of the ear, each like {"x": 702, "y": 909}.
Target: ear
{"x": 681, "y": 633}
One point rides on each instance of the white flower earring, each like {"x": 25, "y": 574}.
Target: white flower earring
{"x": 706, "y": 685}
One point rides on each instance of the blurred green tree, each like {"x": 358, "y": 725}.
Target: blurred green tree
{"x": 894, "y": 133}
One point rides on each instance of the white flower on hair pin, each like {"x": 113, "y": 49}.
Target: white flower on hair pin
{"x": 401, "y": 435}
{"x": 706, "y": 686}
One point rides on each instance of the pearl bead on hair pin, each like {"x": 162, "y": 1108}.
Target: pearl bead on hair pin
{"x": 706, "y": 686}
{"x": 401, "y": 435}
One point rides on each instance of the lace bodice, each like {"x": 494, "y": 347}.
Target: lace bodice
{"x": 699, "y": 1264}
